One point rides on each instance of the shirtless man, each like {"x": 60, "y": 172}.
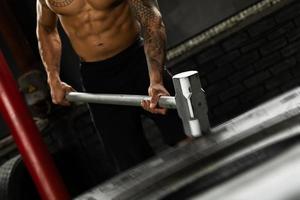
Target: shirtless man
{"x": 106, "y": 35}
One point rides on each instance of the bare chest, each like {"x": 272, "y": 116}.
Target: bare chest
{"x": 73, "y": 7}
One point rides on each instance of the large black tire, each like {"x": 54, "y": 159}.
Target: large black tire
{"x": 15, "y": 182}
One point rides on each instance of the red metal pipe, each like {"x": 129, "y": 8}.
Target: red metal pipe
{"x": 28, "y": 139}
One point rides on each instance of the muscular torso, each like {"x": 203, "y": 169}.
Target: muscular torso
{"x": 97, "y": 29}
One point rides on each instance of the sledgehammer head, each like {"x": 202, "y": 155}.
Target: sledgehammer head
{"x": 191, "y": 103}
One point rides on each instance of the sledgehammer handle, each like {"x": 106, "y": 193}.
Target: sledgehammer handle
{"x": 119, "y": 99}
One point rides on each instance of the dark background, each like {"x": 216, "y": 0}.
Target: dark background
{"x": 186, "y": 18}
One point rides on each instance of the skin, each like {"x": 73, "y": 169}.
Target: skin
{"x": 100, "y": 29}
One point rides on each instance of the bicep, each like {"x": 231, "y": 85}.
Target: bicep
{"x": 45, "y": 17}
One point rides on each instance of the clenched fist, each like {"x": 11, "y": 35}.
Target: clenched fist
{"x": 155, "y": 91}
{"x": 59, "y": 90}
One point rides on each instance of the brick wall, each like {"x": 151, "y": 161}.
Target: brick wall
{"x": 250, "y": 66}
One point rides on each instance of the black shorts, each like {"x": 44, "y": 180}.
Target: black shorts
{"x": 120, "y": 126}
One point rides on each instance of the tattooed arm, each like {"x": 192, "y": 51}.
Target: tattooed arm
{"x": 154, "y": 34}
{"x": 50, "y": 51}
{"x": 153, "y": 30}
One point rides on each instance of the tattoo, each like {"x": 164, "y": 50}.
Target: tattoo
{"x": 60, "y": 3}
{"x": 153, "y": 31}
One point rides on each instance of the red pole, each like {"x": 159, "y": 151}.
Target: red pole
{"x": 28, "y": 139}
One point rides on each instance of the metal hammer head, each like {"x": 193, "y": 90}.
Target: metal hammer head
{"x": 191, "y": 103}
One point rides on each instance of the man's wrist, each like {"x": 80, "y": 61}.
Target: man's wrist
{"x": 156, "y": 82}
{"x": 156, "y": 78}
{"x": 53, "y": 77}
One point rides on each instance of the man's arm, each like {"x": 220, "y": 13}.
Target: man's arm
{"x": 154, "y": 34}
{"x": 50, "y": 51}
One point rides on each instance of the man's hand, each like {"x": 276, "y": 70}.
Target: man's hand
{"x": 59, "y": 90}
{"x": 155, "y": 92}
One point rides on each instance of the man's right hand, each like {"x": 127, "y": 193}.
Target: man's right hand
{"x": 59, "y": 90}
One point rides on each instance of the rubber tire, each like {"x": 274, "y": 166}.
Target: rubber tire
{"x": 15, "y": 182}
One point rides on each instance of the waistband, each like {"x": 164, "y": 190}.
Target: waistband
{"x": 117, "y": 59}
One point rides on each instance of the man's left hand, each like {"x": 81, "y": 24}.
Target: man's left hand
{"x": 155, "y": 92}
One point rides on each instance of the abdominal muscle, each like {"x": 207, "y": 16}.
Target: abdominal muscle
{"x": 98, "y": 35}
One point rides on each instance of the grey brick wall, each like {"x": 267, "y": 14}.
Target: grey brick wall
{"x": 250, "y": 66}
